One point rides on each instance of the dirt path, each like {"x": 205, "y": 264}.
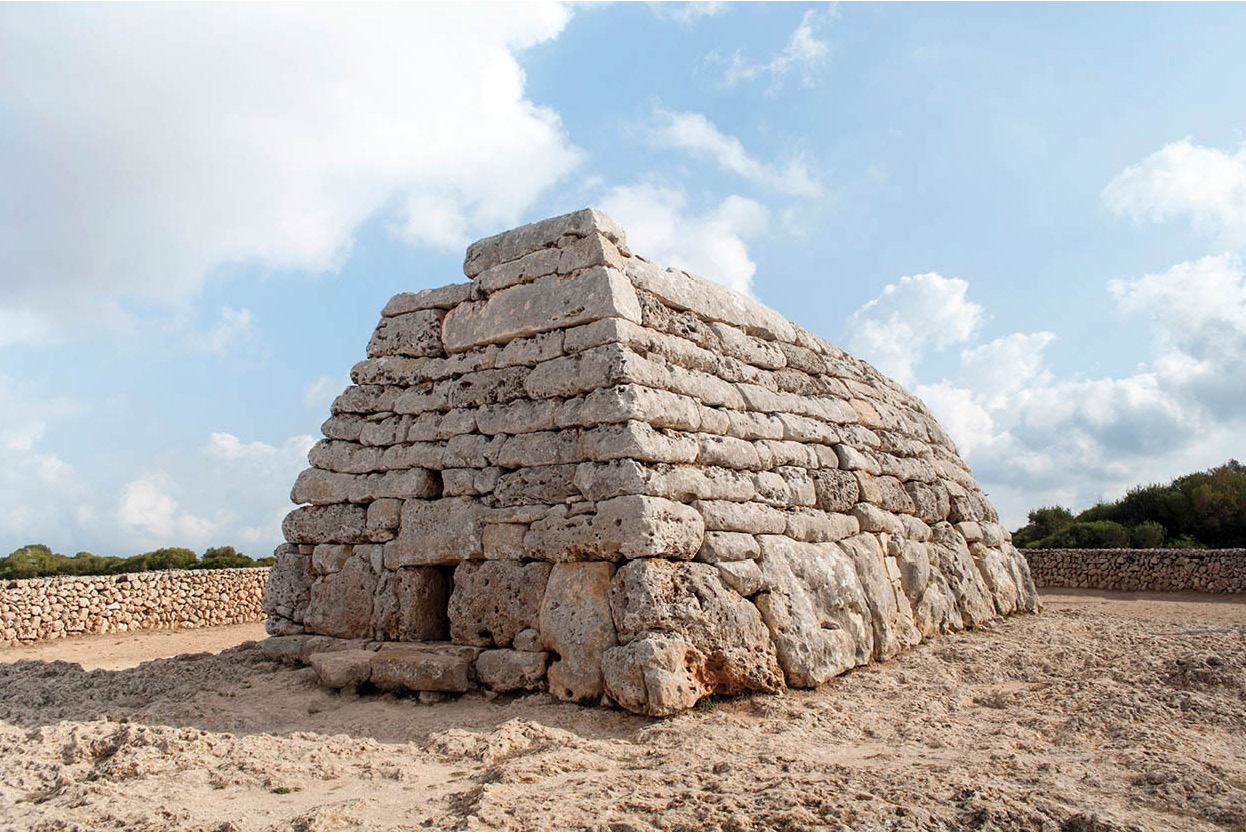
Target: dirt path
{"x": 1107, "y": 710}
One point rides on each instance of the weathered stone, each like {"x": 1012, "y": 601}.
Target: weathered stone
{"x": 955, "y": 563}
{"x": 528, "y": 640}
{"x": 547, "y": 303}
{"x": 628, "y": 527}
{"x": 742, "y": 517}
{"x": 660, "y": 674}
{"x": 439, "y": 298}
{"x": 424, "y": 667}
{"x": 344, "y": 456}
{"x": 340, "y": 603}
{"x": 443, "y": 532}
{"x": 815, "y": 609}
{"x": 409, "y": 334}
{"x": 576, "y": 625}
{"x": 494, "y": 601}
{"x": 337, "y": 670}
{"x": 723, "y": 546}
{"x": 691, "y": 600}
{"x": 516, "y": 243}
{"x": 506, "y": 670}
{"x": 891, "y": 615}
{"x": 383, "y": 518}
{"x": 744, "y": 577}
{"x": 318, "y": 486}
{"x": 342, "y": 523}
{"x": 410, "y": 605}
{"x": 834, "y": 490}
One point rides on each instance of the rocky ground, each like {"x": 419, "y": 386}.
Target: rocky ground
{"x": 1118, "y": 711}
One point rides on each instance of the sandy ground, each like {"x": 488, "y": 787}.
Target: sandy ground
{"x": 1125, "y": 711}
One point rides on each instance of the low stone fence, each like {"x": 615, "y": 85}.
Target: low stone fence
{"x": 1208, "y": 571}
{"x": 60, "y": 606}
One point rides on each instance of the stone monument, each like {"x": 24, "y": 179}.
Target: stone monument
{"x": 582, "y": 472}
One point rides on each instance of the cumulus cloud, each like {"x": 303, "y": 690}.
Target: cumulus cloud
{"x": 804, "y": 53}
{"x": 909, "y": 317}
{"x": 712, "y": 244}
{"x": 1205, "y": 184}
{"x": 695, "y": 134}
{"x": 147, "y": 505}
{"x": 147, "y": 144}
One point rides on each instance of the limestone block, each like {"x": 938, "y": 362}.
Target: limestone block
{"x": 340, "y": 603}
{"x": 969, "y": 530}
{"x": 503, "y": 540}
{"x": 750, "y": 349}
{"x": 691, "y": 600}
{"x": 874, "y": 520}
{"x": 439, "y": 298}
{"x": 539, "y": 449}
{"x": 993, "y": 567}
{"x": 751, "y": 426}
{"x": 383, "y": 517}
{"x": 424, "y": 667}
{"x": 319, "y": 486}
{"x": 743, "y": 576}
{"x": 407, "y": 483}
{"x": 930, "y": 502}
{"x": 708, "y": 300}
{"x": 722, "y": 546}
{"x": 593, "y": 249}
{"x": 289, "y": 583}
{"x": 365, "y": 399}
{"x": 775, "y": 453}
{"x": 441, "y": 532}
{"x": 471, "y": 451}
{"x": 531, "y": 351}
{"x": 344, "y": 456}
{"x": 582, "y": 373}
{"x": 409, "y": 334}
{"x": 639, "y": 441}
{"x": 548, "y": 303}
{"x": 807, "y": 525}
{"x": 340, "y": 523}
{"x": 815, "y": 609}
{"x": 576, "y": 624}
{"x": 620, "y": 403}
{"x": 884, "y": 492}
{"x": 342, "y": 427}
{"x": 731, "y": 452}
{"x": 629, "y": 527}
{"x": 660, "y": 674}
{"x": 329, "y": 558}
{"x": 834, "y": 490}
{"x": 494, "y": 601}
{"x": 1027, "y": 596}
{"x": 516, "y": 243}
{"x": 528, "y": 640}
{"x": 384, "y": 431}
{"x": 741, "y": 517}
{"x": 410, "y": 605}
{"x": 891, "y": 614}
{"x": 956, "y": 565}
{"x": 537, "y": 485}
{"x": 517, "y": 417}
{"x": 337, "y": 670}
{"x": 506, "y": 670}
{"x": 520, "y": 271}
{"x": 785, "y": 486}
{"x": 854, "y": 460}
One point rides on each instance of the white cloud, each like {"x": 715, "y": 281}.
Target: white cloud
{"x": 711, "y": 244}
{"x": 323, "y": 391}
{"x": 231, "y": 329}
{"x": 147, "y": 505}
{"x": 1006, "y": 364}
{"x": 804, "y": 52}
{"x": 1198, "y": 311}
{"x": 1182, "y": 178}
{"x": 921, "y": 311}
{"x": 697, "y": 135}
{"x": 146, "y": 144}
{"x": 687, "y": 14}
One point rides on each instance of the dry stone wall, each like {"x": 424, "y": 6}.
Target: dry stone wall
{"x": 591, "y": 474}
{"x": 61, "y": 606}
{"x": 1207, "y": 571}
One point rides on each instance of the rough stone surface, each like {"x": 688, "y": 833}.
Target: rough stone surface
{"x": 607, "y": 477}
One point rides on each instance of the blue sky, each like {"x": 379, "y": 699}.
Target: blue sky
{"x": 1032, "y": 215}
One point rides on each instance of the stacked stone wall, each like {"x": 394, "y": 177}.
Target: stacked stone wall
{"x": 1206, "y": 571}
{"x": 602, "y": 475}
{"x": 62, "y": 606}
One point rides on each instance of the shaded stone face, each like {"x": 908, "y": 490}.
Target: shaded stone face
{"x": 582, "y": 472}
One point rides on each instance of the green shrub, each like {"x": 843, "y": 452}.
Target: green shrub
{"x": 1147, "y": 534}
{"x": 1088, "y": 535}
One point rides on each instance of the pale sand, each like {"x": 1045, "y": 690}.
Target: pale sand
{"x": 1116, "y": 710}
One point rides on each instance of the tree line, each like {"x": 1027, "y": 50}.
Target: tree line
{"x": 39, "y": 560}
{"x": 1200, "y": 510}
